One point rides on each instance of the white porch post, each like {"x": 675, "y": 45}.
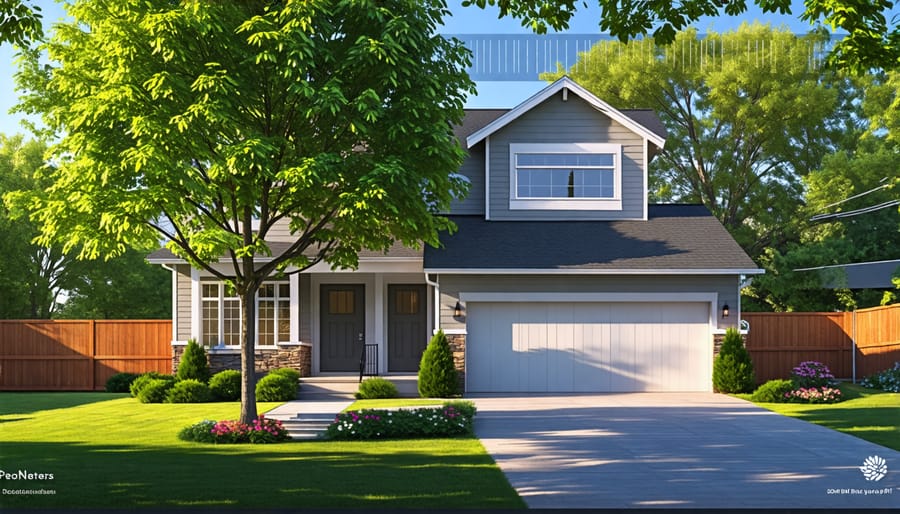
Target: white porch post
{"x": 379, "y": 330}
{"x": 294, "y": 285}
{"x": 196, "y": 311}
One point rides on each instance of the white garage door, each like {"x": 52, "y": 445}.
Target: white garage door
{"x": 588, "y": 347}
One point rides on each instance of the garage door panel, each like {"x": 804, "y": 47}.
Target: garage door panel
{"x": 588, "y": 347}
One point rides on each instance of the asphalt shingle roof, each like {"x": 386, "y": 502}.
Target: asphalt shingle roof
{"x": 675, "y": 237}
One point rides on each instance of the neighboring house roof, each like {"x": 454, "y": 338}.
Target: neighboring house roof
{"x": 397, "y": 251}
{"x": 655, "y": 133}
{"x": 861, "y": 275}
{"x": 682, "y": 239}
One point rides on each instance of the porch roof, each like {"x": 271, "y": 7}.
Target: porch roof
{"x": 396, "y": 251}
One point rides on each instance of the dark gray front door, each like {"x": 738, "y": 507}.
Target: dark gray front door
{"x": 407, "y": 330}
{"x": 343, "y": 322}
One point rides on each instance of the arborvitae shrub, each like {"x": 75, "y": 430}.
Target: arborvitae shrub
{"x": 276, "y": 388}
{"x": 437, "y": 374}
{"x": 193, "y": 363}
{"x": 120, "y": 382}
{"x": 376, "y": 387}
{"x": 189, "y": 390}
{"x": 226, "y": 385}
{"x": 733, "y": 369}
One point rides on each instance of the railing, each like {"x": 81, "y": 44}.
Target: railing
{"x": 368, "y": 361}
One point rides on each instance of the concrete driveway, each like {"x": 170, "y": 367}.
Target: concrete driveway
{"x": 675, "y": 450}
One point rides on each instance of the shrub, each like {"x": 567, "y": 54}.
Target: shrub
{"x": 193, "y": 363}
{"x": 451, "y": 419}
{"x": 814, "y": 395}
{"x": 226, "y": 385}
{"x": 289, "y": 373}
{"x": 141, "y": 381}
{"x": 276, "y": 388}
{"x": 437, "y": 374}
{"x": 198, "y": 432}
{"x": 811, "y": 374}
{"x": 733, "y": 369}
{"x": 887, "y": 380}
{"x": 120, "y": 382}
{"x": 772, "y": 391}
{"x": 155, "y": 390}
{"x": 376, "y": 387}
{"x": 261, "y": 431}
{"x": 189, "y": 391}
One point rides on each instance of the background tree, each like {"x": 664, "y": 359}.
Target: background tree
{"x": 209, "y": 122}
{"x": 745, "y": 121}
{"x": 20, "y": 22}
{"x": 32, "y": 276}
{"x": 873, "y": 29}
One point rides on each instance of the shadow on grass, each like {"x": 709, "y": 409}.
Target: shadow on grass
{"x": 31, "y": 402}
{"x": 880, "y": 425}
{"x": 291, "y": 475}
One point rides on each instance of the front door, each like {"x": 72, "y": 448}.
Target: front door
{"x": 407, "y": 330}
{"x": 342, "y": 325}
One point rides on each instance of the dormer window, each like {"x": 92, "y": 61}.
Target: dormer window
{"x": 576, "y": 176}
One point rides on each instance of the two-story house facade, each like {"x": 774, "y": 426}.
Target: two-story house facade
{"x": 560, "y": 278}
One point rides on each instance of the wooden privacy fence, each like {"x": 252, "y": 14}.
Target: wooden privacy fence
{"x": 78, "y": 355}
{"x": 778, "y": 341}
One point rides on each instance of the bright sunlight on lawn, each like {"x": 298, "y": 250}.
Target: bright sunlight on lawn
{"x": 108, "y": 450}
{"x": 865, "y": 413}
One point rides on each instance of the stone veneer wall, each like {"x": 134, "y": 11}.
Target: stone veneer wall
{"x": 717, "y": 342}
{"x": 297, "y": 357}
{"x": 458, "y": 349}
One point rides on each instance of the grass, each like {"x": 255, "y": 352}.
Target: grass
{"x": 108, "y": 450}
{"x": 865, "y": 413}
{"x": 388, "y": 403}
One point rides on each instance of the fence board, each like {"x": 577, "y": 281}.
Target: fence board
{"x": 779, "y": 341}
{"x": 79, "y": 355}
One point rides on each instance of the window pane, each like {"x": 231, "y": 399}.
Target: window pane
{"x": 284, "y": 321}
{"x": 210, "y": 324}
{"x": 340, "y": 302}
{"x": 406, "y": 302}
{"x": 267, "y": 291}
{"x": 231, "y": 319}
{"x": 266, "y": 330}
{"x": 565, "y": 159}
{"x": 284, "y": 291}
{"x": 210, "y": 290}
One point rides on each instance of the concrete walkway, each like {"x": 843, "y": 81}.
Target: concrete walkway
{"x": 675, "y": 450}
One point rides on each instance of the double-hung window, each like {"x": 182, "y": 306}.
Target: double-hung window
{"x": 565, "y": 176}
{"x": 222, "y": 319}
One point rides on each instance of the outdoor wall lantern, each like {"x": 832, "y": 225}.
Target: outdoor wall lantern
{"x": 725, "y": 311}
{"x": 457, "y": 311}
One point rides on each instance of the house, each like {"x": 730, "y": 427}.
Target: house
{"x": 561, "y": 276}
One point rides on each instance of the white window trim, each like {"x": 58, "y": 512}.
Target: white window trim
{"x": 568, "y": 204}
{"x": 221, "y": 318}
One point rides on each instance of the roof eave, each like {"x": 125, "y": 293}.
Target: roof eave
{"x": 595, "y": 271}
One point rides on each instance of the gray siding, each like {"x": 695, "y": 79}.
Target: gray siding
{"x": 305, "y": 309}
{"x": 725, "y": 285}
{"x": 573, "y": 121}
{"x": 280, "y": 231}
{"x": 473, "y": 169}
{"x": 183, "y": 304}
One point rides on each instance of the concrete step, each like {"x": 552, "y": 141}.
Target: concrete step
{"x": 307, "y": 427}
{"x": 347, "y": 385}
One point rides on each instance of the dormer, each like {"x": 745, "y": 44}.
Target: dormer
{"x": 561, "y": 154}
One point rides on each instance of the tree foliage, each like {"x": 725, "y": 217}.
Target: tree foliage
{"x": 208, "y": 123}
{"x": 20, "y": 22}
{"x": 872, "y": 41}
{"x": 745, "y": 122}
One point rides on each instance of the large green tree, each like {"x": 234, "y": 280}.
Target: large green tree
{"x": 207, "y": 123}
{"x": 20, "y": 22}
{"x": 32, "y": 275}
{"x": 745, "y": 121}
{"x": 872, "y": 26}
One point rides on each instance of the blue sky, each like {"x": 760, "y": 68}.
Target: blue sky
{"x": 468, "y": 20}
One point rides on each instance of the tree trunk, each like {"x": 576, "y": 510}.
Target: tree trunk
{"x": 248, "y": 355}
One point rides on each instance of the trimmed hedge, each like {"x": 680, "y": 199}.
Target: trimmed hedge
{"x": 120, "y": 382}
{"x": 376, "y": 387}
{"x": 773, "y": 391}
{"x": 276, "y": 388}
{"x": 289, "y": 373}
{"x": 437, "y": 373}
{"x": 189, "y": 391}
{"x": 140, "y": 382}
{"x": 155, "y": 390}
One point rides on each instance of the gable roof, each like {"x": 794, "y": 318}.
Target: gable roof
{"x": 651, "y": 134}
{"x": 676, "y": 239}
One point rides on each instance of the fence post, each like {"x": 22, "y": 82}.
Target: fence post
{"x": 93, "y": 325}
{"x": 853, "y": 343}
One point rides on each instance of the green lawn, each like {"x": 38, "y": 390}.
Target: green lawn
{"x": 865, "y": 413}
{"x": 108, "y": 450}
{"x": 389, "y": 403}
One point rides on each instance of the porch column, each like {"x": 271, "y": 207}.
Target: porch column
{"x": 379, "y": 330}
{"x": 294, "y": 285}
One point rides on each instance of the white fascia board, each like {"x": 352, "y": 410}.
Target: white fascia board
{"x": 579, "y": 271}
{"x": 552, "y": 89}
{"x": 710, "y": 298}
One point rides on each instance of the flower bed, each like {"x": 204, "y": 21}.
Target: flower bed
{"x": 451, "y": 419}
{"x": 887, "y": 380}
{"x": 261, "y": 431}
{"x": 814, "y": 395}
